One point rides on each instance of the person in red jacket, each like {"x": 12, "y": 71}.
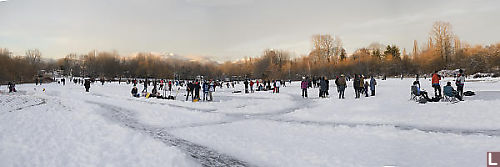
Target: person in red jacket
{"x": 435, "y": 83}
{"x": 251, "y": 86}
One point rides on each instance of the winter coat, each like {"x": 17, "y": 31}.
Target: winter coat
{"x": 448, "y": 91}
{"x": 322, "y": 85}
{"x": 134, "y": 91}
{"x": 303, "y": 85}
{"x": 373, "y": 82}
{"x": 356, "y": 83}
{"x": 460, "y": 80}
{"x": 278, "y": 84}
{"x": 190, "y": 87}
{"x": 205, "y": 87}
{"x": 435, "y": 79}
{"x": 342, "y": 81}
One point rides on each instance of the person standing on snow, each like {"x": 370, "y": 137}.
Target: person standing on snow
{"x": 322, "y": 87}
{"x": 161, "y": 85}
{"x": 12, "y": 87}
{"x": 303, "y": 85}
{"x": 361, "y": 84}
{"x": 246, "y": 85}
{"x": 145, "y": 86}
{"x": 278, "y": 85}
{"x": 342, "y": 84}
{"x": 189, "y": 90}
{"x": 373, "y": 82}
{"x": 251, "y": 86}
{"x": 170, "y": 86}
{"x": 366, "y": 88}
{"x": 356, "y": 85}
{"x": 327, "y": 88}
{"x": 205, "y": 91}
{"x": 211, "y": 89}
{"x": 460, "y": 83}
{"x": 87, "y": 85}
{"x": 197, "y": 88}
{"x": 435, "y": 84}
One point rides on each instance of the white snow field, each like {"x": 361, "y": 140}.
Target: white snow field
{"x": 65, "y": 126}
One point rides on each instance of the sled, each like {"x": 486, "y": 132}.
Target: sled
{"x": 147, "y": 95}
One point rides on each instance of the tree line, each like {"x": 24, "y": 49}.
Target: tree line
{"x": 328, "y": 57}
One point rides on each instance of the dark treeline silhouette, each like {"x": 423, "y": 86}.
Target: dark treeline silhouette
{"x": 327, "y": 58}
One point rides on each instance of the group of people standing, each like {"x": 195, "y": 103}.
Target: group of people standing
{"x": 193, "y": 89}
{"x": 359, "y": 84}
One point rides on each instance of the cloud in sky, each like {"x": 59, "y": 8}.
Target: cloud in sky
{"x": 232, "y": 29}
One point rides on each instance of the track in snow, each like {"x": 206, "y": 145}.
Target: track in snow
{"x": 206, "y": 156}
{"x": 489, "y": 132}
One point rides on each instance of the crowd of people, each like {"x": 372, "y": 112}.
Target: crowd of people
{"x": 362, "y": 85}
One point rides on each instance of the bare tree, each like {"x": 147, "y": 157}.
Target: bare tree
{"x": 442, "y": 36}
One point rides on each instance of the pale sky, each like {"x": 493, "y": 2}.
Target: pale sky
{"x": 232, "y": 29}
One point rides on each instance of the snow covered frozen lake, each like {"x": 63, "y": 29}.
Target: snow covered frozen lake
{"x": 65, "y": 126}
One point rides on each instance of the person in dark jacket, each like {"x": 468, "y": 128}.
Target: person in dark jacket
{"x": 197, "y": 88}
{"x": 342, "y": 84}
{"x": 87, "y": 85}
{"x": 189, "y": 90}
{"x": 135, "y": 92}
{"x": 246, "y": 86}
{"x": 327, "y": 88}
{"x": 322, "y": 87}
{"x": 12, "y": 87}
{"x": 356, "y": 85}
{"x": 145, "y": 86}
